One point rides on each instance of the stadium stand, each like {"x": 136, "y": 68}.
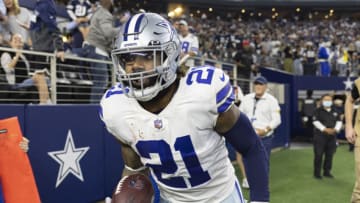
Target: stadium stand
{"x": 222, "y": 36}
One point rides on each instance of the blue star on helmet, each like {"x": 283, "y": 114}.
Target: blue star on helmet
{"x": 164, "y": 25}
{"x": 167, "y": 26}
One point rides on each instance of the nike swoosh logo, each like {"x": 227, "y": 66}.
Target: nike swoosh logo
{"x": 222, "y": 78}
{"x": 159, "y": 33}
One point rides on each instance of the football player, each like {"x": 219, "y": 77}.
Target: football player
{"x": 174, "y": 123}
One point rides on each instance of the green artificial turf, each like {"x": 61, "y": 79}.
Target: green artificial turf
{"x": 291, "y": 177}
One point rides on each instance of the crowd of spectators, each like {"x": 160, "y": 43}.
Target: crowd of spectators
{"x": 291, "y": 45}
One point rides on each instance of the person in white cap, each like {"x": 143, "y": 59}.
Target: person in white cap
{"x": 263, "y": 110}
{"x": 189, "y": 43}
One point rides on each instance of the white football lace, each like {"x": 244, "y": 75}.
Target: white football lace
{"x": 119, "y": 186}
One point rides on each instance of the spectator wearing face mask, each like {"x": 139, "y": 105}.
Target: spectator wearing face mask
{"x": 327, "y": 123}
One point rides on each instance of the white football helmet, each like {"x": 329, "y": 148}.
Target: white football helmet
{"x": 150, "y": 36}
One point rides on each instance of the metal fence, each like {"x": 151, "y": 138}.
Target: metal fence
{"x": 230, "y": 69}
{"x": 68, "y": 82}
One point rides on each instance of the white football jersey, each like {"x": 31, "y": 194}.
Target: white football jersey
{"x": 189, "y": 43}
{"x": 186, "y": 157}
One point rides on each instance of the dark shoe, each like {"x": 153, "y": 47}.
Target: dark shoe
{"x": 328, "y": 175}
{"x": 318, "y": 177}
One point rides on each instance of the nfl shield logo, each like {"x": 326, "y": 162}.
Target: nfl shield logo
{"x": 158, "y": 124}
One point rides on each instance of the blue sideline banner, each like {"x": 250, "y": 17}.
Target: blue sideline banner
{"x": 11, "y": 110}
{"x": 74, "y": 158}
{"x": 66, "y": 152}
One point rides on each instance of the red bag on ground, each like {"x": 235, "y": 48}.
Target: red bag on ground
{"x": 16, "y": 175}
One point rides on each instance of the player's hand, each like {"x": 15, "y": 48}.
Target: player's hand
{"x": 350, "y": 134}
{"x": 24, "y": 144}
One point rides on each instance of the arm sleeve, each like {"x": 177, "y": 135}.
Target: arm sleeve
{"x": 107, "y": 28}
{"x": 89, "y": 11}
{"x": 71, "y": 14}
{"x": 27, "y": 19}
{"x": 58, "y": 43}
{"x": 5, "y": 60}
{"x": 244, "y": 139}
{"x": 69, "y": 9}
{"x": 338, "y": 126}
{"x": 242, "y": 106}
{"x": 339, "y": 123}
{"x": 319, "y": 125}
{"x": 225, "y": 96}
{"x": 355, "y": 92}
{"x": 43, "y": 12}
{"x": 195, "y": 45}
{"x": 275, "y": 115}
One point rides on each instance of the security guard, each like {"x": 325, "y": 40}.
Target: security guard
{"x": 327, "y": 123}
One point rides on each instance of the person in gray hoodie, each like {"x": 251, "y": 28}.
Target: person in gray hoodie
{"x": 98, "y": 44}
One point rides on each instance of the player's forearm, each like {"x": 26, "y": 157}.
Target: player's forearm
{"x": 257, "y": 172}
{"x": 132, "y": 163}
{"x": 244, "y": 139}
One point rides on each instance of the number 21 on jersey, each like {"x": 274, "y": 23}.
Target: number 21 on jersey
{"x": 168, "y": 165}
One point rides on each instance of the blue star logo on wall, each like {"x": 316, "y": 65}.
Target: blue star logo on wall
{"x": 69, "y": 159}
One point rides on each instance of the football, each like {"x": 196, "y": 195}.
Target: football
{"x": 135, "y": 188}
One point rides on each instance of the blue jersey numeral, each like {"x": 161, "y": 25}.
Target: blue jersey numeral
{"x": 199, "y": 72}
{"x": 168, "y": 165}
{"x": 114, "y": 90}
{"x": 185, "y": 46}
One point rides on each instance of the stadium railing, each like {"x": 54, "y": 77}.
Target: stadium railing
{"x": 229, "y": 68}
{"x": 68, "y": 81}
{"x": 71, "y": 81}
